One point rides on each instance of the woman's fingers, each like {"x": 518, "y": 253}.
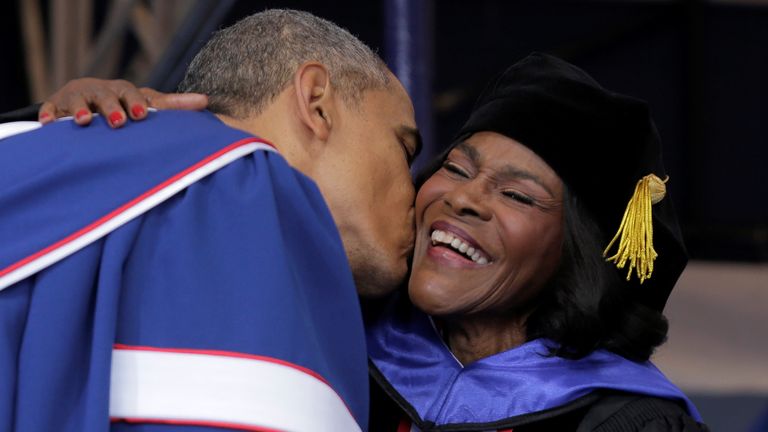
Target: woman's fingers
{"x": 106, "y": 100}
{"x": 133, "y": 103}
{"x": 80, "y": 97}
{"x": 70, "y": 103}
{"x": 180, "y": 101}
{"x": 46, "y": 113}
{"x": 116, "y": 100}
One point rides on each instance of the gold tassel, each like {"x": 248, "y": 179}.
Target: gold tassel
{"x": 636, "y": 230}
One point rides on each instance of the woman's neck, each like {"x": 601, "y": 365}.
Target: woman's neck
{"x": 476, "y": 337}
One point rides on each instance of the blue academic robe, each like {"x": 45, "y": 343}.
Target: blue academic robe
{"x": 173, "y": 275}
{"x": 500, "y": 392}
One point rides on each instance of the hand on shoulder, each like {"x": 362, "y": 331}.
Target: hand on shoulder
{"x": 117, "y": 100}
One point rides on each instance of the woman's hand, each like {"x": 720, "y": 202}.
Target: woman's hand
{"x": 113, "y": 99}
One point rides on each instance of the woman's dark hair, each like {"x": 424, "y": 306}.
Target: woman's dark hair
{"x": 587, "y": 305}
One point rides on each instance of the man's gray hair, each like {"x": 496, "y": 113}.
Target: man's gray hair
{"x": 245, "y": 66}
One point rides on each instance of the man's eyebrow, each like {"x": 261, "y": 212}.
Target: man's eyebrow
{"x": 506, "y": 173}
{"x": 413, "y": 134}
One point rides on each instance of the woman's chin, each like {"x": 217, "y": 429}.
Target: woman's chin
{"x": 431, "y": 299}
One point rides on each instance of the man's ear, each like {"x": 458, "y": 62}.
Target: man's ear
{"x": 315, "y": 98}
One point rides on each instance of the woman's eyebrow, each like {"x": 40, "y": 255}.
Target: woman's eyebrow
{"x": 469, "y": 152}
{"x": 509, "y": 172}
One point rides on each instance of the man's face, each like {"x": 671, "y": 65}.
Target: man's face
{"x": 366, "y": 182}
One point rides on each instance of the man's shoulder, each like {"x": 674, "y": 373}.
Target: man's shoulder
{"x": 174, "y": 138}
{"x": 159, "y": 129}
{"x": 67, "y": 186}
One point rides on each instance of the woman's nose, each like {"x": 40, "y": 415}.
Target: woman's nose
{"x": 469, "y": 199}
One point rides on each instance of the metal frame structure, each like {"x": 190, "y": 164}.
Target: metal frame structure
{"x": 62, "y": 42}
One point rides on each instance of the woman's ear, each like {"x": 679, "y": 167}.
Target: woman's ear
{"x": 315, "y": 98}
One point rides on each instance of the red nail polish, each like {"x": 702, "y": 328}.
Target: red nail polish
{"x": 44, "y": 116}
{"x": 137, "y": 110}
{"x": 115, "y": 118}
{"x": 82, "y": 113}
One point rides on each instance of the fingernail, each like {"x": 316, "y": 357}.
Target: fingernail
{"x": 80, "y": 114}
{"x": 115, "y": 118}
{"x": 137, "y": 110}
{"x": 44, "y": 116}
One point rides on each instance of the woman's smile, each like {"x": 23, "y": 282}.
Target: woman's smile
{"x": 454, "y": 247}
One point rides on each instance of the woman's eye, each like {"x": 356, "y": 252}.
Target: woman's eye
{"x": 517, "y": 196}
{"x": 455, "y": 169}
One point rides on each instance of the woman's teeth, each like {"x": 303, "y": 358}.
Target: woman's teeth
{"x": 458, "y": 244}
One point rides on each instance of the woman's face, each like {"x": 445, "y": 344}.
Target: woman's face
{"x": 489, "y": 229}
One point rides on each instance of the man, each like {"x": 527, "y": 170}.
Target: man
{"x": 178, "y": 274}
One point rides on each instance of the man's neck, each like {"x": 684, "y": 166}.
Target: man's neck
{"x": 273, "y": 126}
{"x": 254, "y": 125}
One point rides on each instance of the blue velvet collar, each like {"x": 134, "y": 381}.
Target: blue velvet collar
{"x": 409, "y": 354}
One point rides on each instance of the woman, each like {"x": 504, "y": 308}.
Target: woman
{"x": 519, "y": 323}
{"x": 513, "y": 319}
